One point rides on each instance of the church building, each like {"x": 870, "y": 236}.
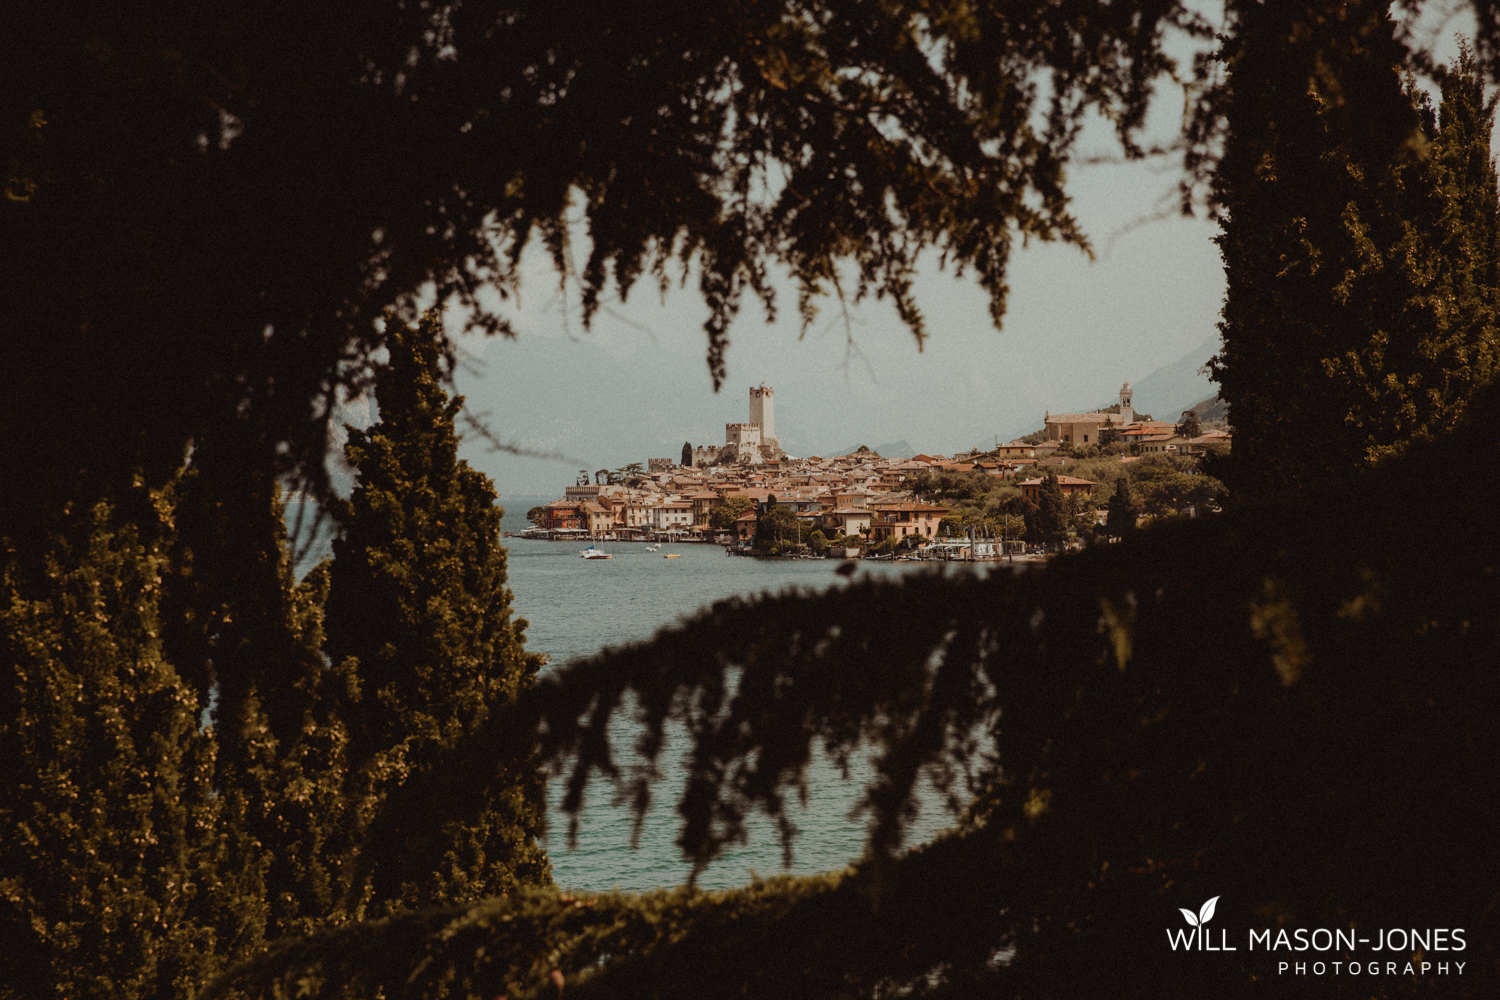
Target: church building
{"x": 1083, "y": 428}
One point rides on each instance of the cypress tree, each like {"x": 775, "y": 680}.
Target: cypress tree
{"x": 111, "y": 856}
{"x": 1052, "y": 510}
{"x": 419, "y": 619}
{"x": 687, "y": 454}
{"x": 1123, "y": 509}
{"x": 1358, "y": 241}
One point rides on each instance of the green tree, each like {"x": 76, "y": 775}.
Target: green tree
{"x": 777, "y": 529}
{"x": 723, "y": 516}
{"x": 537, "y": 515}
{"x": 249, "y": 637}
{"x": 419, "y": 618}
{"x": 1187, "y": 427}
{"x": 922, "y": 485}
{"x": 1052, "y": 511}
{"x": 1082, "y": 516}
{"x": 1124, "y": 508}
{"x": 112, "y": 859}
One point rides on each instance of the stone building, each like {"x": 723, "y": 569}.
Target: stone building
{"x": 1083, "y": 428}
{"x": 763, "y": 413}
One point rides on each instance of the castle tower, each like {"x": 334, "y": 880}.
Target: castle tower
{"x": 1127, "y": 411}
{"x": 763, "y": 411}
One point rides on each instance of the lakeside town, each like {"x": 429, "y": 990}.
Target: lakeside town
{"x": 1083, "y": 478}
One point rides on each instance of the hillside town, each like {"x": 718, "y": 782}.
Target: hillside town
{"x": 752, "y": 497}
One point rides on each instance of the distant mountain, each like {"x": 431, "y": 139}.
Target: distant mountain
{"x": 1210, "y": 409}
{"x": 891, "y": 449}
{"x": 1177, "y": 386}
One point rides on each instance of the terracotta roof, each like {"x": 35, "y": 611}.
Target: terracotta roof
{"x": 1084, "y": 418}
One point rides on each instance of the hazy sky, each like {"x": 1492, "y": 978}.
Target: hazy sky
{"x": 636, "y": 385}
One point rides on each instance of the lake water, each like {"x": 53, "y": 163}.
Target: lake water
{"x": 577, "y": 607}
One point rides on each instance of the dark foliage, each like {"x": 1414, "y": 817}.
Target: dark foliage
{"x": 776, "y": 529}
{"x": 1359, "y": 242}
{"x": 1287, "y": 706}
{"x": 1124, "y": 509}
{"x": 112, "y": 877}
{"x": 206, "y": 212}
{"x": 1048, "y": 524}
{"x": 141, "y": 851}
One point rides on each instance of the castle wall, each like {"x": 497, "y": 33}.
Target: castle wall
{"x": 744, "y": 437}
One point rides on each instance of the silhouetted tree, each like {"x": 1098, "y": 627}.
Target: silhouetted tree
{"x": 1123, "y": 509}
{"x": 1359, "y": 243}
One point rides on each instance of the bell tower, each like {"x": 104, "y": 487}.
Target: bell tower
{"x": 1127, "y": 411}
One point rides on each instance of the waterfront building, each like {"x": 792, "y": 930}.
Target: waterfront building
{"x": 901, "y": 520}
{"x": 846, "y": 520}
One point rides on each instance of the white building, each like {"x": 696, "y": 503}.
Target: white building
{"x": 672, "y": 515}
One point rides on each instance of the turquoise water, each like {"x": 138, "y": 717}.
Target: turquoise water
{"x": 576, "y": 607}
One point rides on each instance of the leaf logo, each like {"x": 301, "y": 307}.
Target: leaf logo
{"x": 1204, "y": 914}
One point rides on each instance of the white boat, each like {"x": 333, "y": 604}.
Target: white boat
{"x": 593, "y": 553}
